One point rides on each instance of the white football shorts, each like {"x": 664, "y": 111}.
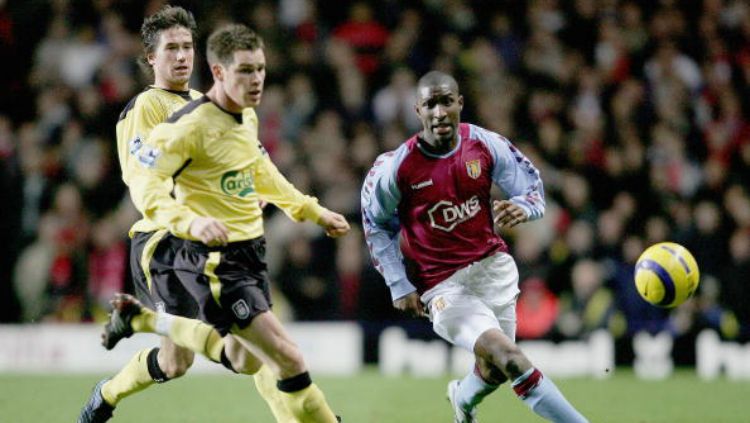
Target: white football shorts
{"x": 479, "y": 297}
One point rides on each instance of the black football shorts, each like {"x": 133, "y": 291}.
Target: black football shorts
{"x": 229, "y": 283}
{"x": 152, "y": 256}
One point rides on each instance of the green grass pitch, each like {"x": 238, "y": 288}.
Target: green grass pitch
{"x": 372, "y": 398}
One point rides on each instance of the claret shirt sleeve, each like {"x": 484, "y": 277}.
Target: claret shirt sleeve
{"x": 380, "y": 199}
{"x": 166, "y": 152}
{"x": 515, "y": 175}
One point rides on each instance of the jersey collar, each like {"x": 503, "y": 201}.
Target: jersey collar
{"x": 440, "y": 156}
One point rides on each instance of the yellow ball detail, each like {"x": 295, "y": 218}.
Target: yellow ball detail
{"x": 666, "y": 274}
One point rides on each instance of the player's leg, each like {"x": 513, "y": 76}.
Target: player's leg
{"x": 158, "y": 365}
{"x": 243, "y": 361}
{"x": 529, "y": 384}
{"x": 302, "y": 397}
{"x": 485, "y": 377}
{"x": 231, "y": 287}
{"x": 150, "y": 256}
{"x": 461, "y": 319}
{"x": 148, "y": 366}
{"x": 461, "y": 315}
{"x": 130, "y": 316}
{"x": 467, "y": 393}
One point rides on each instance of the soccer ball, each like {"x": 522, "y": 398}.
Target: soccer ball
{"x": 666, "y": 274}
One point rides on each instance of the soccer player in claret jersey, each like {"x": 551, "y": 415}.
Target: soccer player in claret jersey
{"x": 429, "y": 228}
{"x": 168, "y": 43}
{"x": 223, "y": 173}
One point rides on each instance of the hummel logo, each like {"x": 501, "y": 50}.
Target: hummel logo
{"x": 423, "y": 184}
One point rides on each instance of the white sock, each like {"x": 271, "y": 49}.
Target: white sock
{"x": 543, "y": 397}
{"x": 472, "y": 389}
{"x": 163, "y": 323}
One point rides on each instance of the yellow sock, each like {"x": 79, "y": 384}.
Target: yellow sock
{"x": 265, "y": 382}
{"x": 309, "y": 405}
{"x": 196, "y": 336}
{"x": 132, "y": 378}
{"x": 144, "y": 322}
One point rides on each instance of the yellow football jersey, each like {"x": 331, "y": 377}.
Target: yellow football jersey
{"x": 220, "y": 170}
{"x": 147, "y": 109}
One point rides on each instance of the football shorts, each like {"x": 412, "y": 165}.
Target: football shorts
{"x": 477, "y": 298}
{"x": 152, "y": 256}
{"x": 229, "y": 283}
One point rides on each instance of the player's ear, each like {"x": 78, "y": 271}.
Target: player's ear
{"x": 150, "y": 58}
{"x": 217, "y": 71}
{"x": 460, "y": 102}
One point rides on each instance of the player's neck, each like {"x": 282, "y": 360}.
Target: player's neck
{"x": 166, "y": 85}
{"x": 221, "y": 99}
{"x": 437, "y": 147}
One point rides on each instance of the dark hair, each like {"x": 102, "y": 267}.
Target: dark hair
{"x": 230, "y": 38}
{"x": 167, "y": 17}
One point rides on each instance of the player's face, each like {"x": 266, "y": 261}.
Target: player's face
{"x": 172, "y": 60}
{"x": 439, "y": 109}
{"x": 243, "y": 80}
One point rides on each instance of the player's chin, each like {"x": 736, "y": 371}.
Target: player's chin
{"x": 181, "y": 76}
{"x": 252, "y": 100}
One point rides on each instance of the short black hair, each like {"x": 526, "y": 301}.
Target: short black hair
{"x": 435, "y": 78}
{"x": 230, "y": 38}
{"x": 167, "y": 17}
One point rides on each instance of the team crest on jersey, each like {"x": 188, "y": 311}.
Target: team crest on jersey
{"x": 473, "y": 168}
{"x": 240, "y": 309}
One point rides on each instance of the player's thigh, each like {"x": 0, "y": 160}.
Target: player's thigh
{"x": 152, "y": 260}
{"x": 229, "y": 284}
{"x": 461, "y": 319}
{"x": 242, "y": 358}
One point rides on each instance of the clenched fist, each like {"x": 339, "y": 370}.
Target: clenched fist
{"x": 334, "y": 224}
{"x": 209, "y": 231}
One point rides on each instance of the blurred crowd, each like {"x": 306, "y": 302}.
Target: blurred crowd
{"x": 637, "y": 113}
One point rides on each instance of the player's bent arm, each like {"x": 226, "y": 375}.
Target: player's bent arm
{"x": 380, "y": 198}
{"x": 515, "y": 175}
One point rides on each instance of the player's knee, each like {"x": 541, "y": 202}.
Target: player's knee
{"x": 512, "y": 361}
{"x": 177, "y": 365}
{"x": 504, "y": 356}
{"x": 246, "y": 364}
{"x": 490, "y": 372}
{"x": 289, "y": 359}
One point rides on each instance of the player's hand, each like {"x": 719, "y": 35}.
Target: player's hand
{"x": 209, "y": 231}
{"x": 334, "y": 224}
{"x": 507, "y": 214}
{"x": 411, "y": 305}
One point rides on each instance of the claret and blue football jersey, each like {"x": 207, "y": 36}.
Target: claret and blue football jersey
{"x": 431, "y": 215}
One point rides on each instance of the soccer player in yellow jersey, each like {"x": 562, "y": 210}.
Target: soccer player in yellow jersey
{"x": 223, "y": 174}
{"x": 168, "y": 41}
